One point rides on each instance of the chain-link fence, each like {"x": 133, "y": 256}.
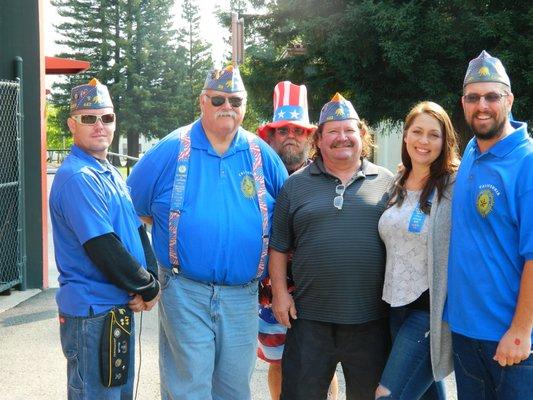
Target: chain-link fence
{"x": 10, "y": 186}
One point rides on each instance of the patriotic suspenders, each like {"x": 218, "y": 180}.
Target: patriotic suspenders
{"x": 178, "y": 194}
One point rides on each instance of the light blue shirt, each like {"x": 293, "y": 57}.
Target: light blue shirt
{"x": 219, "y": 232}
{"x": 492, "y": 235}
{"x": 88, "y": 200}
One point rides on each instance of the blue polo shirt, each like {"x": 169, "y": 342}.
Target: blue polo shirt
{"x": 87, "y": 200}
{"x": 219, "y": 231}
{"x": 492, "y": 235}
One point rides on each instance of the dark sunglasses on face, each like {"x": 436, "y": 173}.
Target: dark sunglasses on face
{"x": 217, "y": 101}
{"x": 491, "y": 97}
{"x": 89, "y": 119}
{"x": 284, "y": 131}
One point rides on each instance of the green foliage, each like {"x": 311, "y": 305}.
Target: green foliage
{"x": 57, "y": 137}
{"x": 133, "y": 49}
{"x": 197, "y": 62}
{"x": 387, "y": 55}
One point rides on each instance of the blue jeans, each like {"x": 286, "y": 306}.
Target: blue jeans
{"x": 408, "y": 374}
{"x": 80, "y": 341}
{"x": 479, "y": 377}
{"x": 207, "y": 339}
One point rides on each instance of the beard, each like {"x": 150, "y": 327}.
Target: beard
{"x": 493, "y": 132}
{"x": 294, "y": 155}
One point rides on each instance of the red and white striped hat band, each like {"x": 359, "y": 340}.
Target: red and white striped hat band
{"x": 290, "y": 103}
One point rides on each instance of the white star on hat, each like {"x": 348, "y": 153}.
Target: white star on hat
{"x": 281, "y": 114}
{"x": 294, "y": 114}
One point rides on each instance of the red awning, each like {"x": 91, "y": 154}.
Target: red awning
{"x": 56, "y": 66}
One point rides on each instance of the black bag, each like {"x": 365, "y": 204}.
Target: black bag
{"x": 115, "y": 348}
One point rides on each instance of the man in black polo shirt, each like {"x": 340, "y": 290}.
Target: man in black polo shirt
{"x": 328, "y": 213}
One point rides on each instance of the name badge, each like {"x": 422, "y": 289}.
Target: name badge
{"x": 417, "y": 220}
{"x": 418, "y": 217}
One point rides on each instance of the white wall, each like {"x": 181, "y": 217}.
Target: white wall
{"x": 388, "y": 138}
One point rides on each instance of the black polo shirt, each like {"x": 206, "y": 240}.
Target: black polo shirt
{"x": 339, "y": 258}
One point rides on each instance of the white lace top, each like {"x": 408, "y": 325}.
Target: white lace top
{"x": 406, "y": 273}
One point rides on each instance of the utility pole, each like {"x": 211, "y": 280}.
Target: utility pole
{"x": 237, "y": 39}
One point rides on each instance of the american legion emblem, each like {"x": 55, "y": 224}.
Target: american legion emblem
{"x": 485, "y": 202}
{"x": 248, "y": 186}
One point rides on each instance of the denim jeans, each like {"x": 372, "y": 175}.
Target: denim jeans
{"x": 80, "y": 341}
{"x": 207, "y": 339}
{"x": 479, "y": 377}
{"x": 408, "y": 374}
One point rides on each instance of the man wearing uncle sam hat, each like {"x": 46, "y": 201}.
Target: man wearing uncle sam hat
{"x": 102, "y": 250}
{"x": 490, "y": 273}
{"x": 290, "y": 135}
{"x": 209, "y": 190}
{"x": 327, "y": 214}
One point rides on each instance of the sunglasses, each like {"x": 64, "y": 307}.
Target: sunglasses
{"x": 89, "y": 119}
{"x": 217, "y": 101}
{"x": 491, "y": 97}
{"x": 338, "y": 200}
{"x": 286, "y": 130}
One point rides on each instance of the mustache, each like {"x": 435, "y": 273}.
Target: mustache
{"x": 290, "y": 142}
{"x": 342, "y": 143}
{"x": 231, "y": 114}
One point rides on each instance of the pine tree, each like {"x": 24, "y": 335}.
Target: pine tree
{"x": 132, "y": 48}
{"x": 198, "y": 61}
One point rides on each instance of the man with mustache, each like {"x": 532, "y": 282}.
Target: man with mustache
{"x": 327, "y": 214}
{"x": 208, "y": 189}
{"x": 289, "y": 134}
{"x": 490, "y": 272}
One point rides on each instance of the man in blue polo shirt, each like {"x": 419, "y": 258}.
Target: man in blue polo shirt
{"x": 101, "y": 248}
{"x": 209, "y": 189}
{"x": 490, "y": 294}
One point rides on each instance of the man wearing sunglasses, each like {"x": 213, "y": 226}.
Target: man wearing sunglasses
{"x": 101, "y": 248}
{"x": 327, "y": 214}
{"x": 209, "y": 189}
{"x": 490, "y": 272}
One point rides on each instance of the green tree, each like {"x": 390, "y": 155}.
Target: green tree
{"x": 198, "y": 62}
{"x": 387, "y": 55}
{"x": 132, "y": 48}
{"x": 56, "y": 138}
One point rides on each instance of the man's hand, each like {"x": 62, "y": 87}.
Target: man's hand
{"x": 284, "y": 308}
{"x": 150, "y": 304}
{"x": 514, "y": 347}
{"x": 136, "y": 303}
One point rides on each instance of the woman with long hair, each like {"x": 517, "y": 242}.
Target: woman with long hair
{"x": 415, "y": 229}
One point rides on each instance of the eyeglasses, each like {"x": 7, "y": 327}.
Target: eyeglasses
{"x": 217, "y": 101}
{"x": 284, "y": 131}
{"x": 89, "y": 119}
{"x": 491, "y": 97}
{"x": 338, "y": 200}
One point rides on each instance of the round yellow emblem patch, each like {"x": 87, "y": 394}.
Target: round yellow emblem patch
{"x": 248, "y": 186}
{"x": 485, "y": 202}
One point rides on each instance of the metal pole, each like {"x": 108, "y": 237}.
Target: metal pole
{"x": 21, "y": 203}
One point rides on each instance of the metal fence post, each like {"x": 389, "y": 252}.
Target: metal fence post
{"x": 22, "y": 204}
